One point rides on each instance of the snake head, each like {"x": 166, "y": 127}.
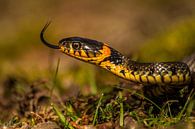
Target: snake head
{"x": 81, "y": 48}
{"x": 84, "y": 49}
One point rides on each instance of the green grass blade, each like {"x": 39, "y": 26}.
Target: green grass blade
{"x": 121, "y": 110}
{"x": 97, "y": 109}
{"x": 191, "y": 95}
{"x": 61, "y": 117}
{"x": 55, "y": 76}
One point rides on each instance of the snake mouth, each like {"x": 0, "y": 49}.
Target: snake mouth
{"x": 85, "y": 54}
{"x": 43, "y": 39}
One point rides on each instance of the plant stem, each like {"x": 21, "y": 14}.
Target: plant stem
{"x": 121, "y": 110}
{"x": 97, "y": 108}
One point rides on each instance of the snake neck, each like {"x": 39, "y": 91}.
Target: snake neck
{"x": 116, "y": 63}
{"x": 163, "y": 73}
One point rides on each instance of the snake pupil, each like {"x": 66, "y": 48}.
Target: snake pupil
{"x": 76, "y": 45}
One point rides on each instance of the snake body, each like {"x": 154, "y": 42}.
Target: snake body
{"x": 176, "y": 74}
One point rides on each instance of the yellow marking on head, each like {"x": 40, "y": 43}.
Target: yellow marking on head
{"x": 106, "y": 52}
{"x": 71, "y": 51}
{"x": 77, "y": 53}
{"x": 83, "y": 53}
{"x": 91, "y": 54}
{"x": 62, "y": 49}
{"x": 151, "y": 79}
{"x": 167, "y": 78}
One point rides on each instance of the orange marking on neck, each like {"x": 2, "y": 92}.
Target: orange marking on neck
{"x": 106, "y": 50}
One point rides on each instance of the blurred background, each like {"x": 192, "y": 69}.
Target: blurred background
{"x": 148, "y": 31}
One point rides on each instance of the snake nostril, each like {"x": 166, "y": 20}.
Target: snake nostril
{"x": 66, "y": 45}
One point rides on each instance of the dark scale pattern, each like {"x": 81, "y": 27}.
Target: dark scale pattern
{"x": 162, "y": 68}
{"x": 115, "y": 58}
{"x": 141, "y": 68}
{"x": 166, "y": 70}
{"x": 173, "y": 68}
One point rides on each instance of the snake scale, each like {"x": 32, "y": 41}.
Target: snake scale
{"x": 162, "y": 74}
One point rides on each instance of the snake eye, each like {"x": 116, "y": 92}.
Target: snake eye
{"x": 76, "y": 45}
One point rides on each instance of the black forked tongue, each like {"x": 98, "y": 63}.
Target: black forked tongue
{"x": 42, "y": 37}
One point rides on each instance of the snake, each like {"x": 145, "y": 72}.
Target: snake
{"x": 161, "y": 74}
